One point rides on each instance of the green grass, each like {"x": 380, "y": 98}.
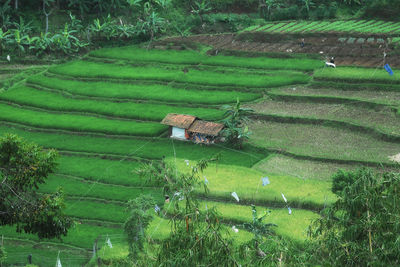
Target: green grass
{"x": 131, "y": 110}
{"x": 155, "y": 92}
{"x": 359, "y": 75}
{"x": 81, "y": 188}
{"x": 247, "y": 183}
{"x": 42, "y": 255}
{"x": 78, "y": 123}
{"x": 383, "y": 119}
{"x": 81, "y": 235}
{"x": 322, "y": 142}
{"x": 119, "y": 172}
{"x": 89, "y": 69}
{"x": 144, "y": 148}
{"x": 192, "y": 57}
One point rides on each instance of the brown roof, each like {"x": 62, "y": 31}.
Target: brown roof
{"x": 178, "y": 120}
{"x": 206, "y": 127}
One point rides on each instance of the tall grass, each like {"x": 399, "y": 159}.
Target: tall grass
{"x": 156, "y": 92}
{"x": 144, "y": 148}
{"x": 131, "y": 110}
{"x": 79, "y": 123}
{"x": 106, "y": 71}
{"x": 191, "y": 57}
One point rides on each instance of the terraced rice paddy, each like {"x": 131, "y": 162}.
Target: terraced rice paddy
{"x": 340, "y": 26}
{"x": 103, "y": 115}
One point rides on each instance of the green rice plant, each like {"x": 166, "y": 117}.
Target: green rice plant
{"x": 130, "y": 110}
{"x": 349, "y": 25}
{"x": 139, "y": 147}
{"x": 156, "y": 92}
{"x": 264, "y": 27}
{"x": 274, "y": 27}
{"x": 293, "y": 226}
{"x": 295, "y": 27}
{"x": 379, "y": 120}
{"x": 247, "y": 183}
{"x": 160, "y": 228}
{"x": 331, "y": 27}
{"x": 117, "y": 172}
{"x": 93, "y": 189}
{"x": 106, "y": 71}
{"x": 42, "y": 255}
{"x": 382, "y": 27}
{"x": 80, "y": 236}
{"x": 306, "y": 26}
{"x": 286, "y": 26}
{"x": 96, "y": 210}
{"x": 78, "y": 123}
{"x": 322, "y": 142}
{"x": 330, "y": 92}
{"x": 136, "y": 54}
{"x": 317, "y": 26}
{"x": 363, "y": 25}
{"x": 359, "y": 75}
{"x": 370, "y": 28}
{"x": 301, "y": 168}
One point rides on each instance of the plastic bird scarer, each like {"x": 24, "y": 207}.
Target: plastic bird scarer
{"x": 157, "y": 208}
{"x": 205, "y": 180}
{"x": 235, "y": 196}
{"x": 265, "y": 181}
{"x": 235, "y": 229}
{"x": 284, "y": 198}
{"x": 388, "y": 69}
{"x": 109, "y": 242}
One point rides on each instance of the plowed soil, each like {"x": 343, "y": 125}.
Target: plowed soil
{"x": 346, "y": 50}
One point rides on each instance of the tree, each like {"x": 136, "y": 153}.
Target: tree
{"x": 136, "y": 224}
{"x": 23, "y": 167}
{"x": 236, "y": 130}
{"x": 362, "y": 227}
{"x": 197, "y": 237}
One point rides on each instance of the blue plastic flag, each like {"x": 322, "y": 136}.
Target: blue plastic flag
{"x": 205, "y": 180}
{"x": 157, "y": 208}
{"x": 290, "y": 211}
{"x": 388, "y": 69}
{"x": 265, "y": 181}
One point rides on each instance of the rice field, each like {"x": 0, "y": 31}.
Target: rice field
{"x": 340, "y": 26}
{"x": 102, "y": 114}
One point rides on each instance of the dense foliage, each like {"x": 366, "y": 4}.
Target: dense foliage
{"x": 23, "y": 167}
{"x": 361, "y": 228}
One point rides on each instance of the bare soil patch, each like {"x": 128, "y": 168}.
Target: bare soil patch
{"x": 345, "y": 51}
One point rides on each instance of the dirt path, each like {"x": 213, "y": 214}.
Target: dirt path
{"x": 366, "y": 52}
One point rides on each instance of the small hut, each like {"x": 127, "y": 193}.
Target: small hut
{"x": 187, "y": 127}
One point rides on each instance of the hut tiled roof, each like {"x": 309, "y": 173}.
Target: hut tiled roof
{"x": 178, "y": 120}
{"x": 206, "y": 127}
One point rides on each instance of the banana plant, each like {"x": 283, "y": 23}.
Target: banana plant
{"x": 4, "y": 39}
